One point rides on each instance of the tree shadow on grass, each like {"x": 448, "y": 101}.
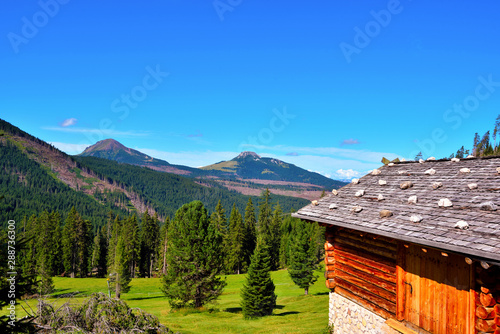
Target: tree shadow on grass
{"x": 143, "y": 298}
{"x": 322, "y": 293}
{"x": 233, "y": 310}
{"x": 285, "y": 313}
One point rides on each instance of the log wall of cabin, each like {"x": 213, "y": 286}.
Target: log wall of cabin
{"x": 362, "y": 268}
{"x": 487, "y": 299}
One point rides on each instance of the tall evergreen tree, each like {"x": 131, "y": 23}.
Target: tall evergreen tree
{"x": 194, "y": 256}
{"x": 30, "y": 232}
{"x": 250, "y": 236}
{"x": 265, "y": 215}
{"x": 162, "y": 248}
{"x": 275, "y": 237}
{"x": 76, "y": 244}
{"x": 114, "y": 231}
{"x": 149, "y": 243}
{"x": 130, "y": 234}
{"x": 257, "y": 293}
{"x": 121, "y": 271}
{"x": 303, "y": 260}
{"x": 99, "y": 253}
{"x": 47, "y": 245}
{"x": 475, "y": 145}
{"x": 286, "y": 229}
{"x": 496, "y": 129}
{"x": 235, "y": 254}
{"x": 219, "y": 219}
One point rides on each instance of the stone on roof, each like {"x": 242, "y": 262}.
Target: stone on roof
{"x": 435, "y": 226}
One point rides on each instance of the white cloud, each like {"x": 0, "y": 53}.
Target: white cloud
{"x": 68, "y": 122}
{"x": 347, "y": 174}
{"x": 103, "y": 132}
{"x": 69, "y": 148}
{"x": 350, "y": 141}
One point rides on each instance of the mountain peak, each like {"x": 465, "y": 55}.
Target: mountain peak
{"x": 248, "y": 154}
{"x": 105, "y": 145}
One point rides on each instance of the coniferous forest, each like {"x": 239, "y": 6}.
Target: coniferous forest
{"x": 118, "y": 221}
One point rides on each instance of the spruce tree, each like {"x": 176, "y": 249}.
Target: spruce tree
{"x": 218, "y": 218}
{"x": 113, "y": 230}
{"x": 121, "y": 273}
{"x": 234, "y": 245}
{"x": 275, "y": 236}
{"x": 129, "y": 232}
{"x": 286, "y": 229}
{"x": 47, "y": 243}
{"x": 162, "y": 247}
{"x": 303, "y": 260}
{"x": 194, "y": 257}
{"x": 250, "y": 236}
{"x": 258, "y": 297}
{"x": 265, "y": 215}
{"x": 76, "y": 244}
{"x": 99, "y": 253}
{"x": 29, "y": 252}
{"x": 149, "y": 243}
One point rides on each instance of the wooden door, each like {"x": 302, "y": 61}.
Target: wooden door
{"x": 436, "y": 291}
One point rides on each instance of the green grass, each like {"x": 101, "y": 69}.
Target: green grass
{"x": 295, "y": 313}
{"x": 225, "y": 166}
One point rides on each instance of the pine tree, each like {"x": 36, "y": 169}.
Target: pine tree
{"x": 219, "y": 219}
{"x": 130, "y": 234}
{"x": 265, "y": 215}
{"x": 121, "y": 271}
{"x": 460, "y": 153}
{"x": 475, "y": 145}
{"x": 303, "y": 261}
{"x": 275, "y": 237}
{"x": 162, "y": 248}
{"x": 99, "y": 253}
{"x": 47, "y": 241}
{"x": 496, "y": 129}
{"x": 286, "y": 229}
{"x": 76, "y": 244}
{"x": 258, "y": 297}
{"x": 29, "y": 235}
{"x": 234, "y": 245}
{"x": 250, "y": 236}
{"x": 114, "y": 230}
{"x": 195, "y": 259}
{"x": 149, "y": 243}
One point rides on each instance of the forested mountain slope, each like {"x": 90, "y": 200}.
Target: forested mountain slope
{"x": 28, "y": 187}
{"x": 35, "y": 176}
{"x": 167, "y": 192}
{"x": 247, "y": 174}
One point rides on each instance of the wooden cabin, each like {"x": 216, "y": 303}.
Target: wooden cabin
{"x": 414, "y": 247}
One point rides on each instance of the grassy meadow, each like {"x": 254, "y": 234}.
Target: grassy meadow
{"x": 295, "y": 312}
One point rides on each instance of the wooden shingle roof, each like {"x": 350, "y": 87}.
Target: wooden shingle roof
{"x": 437, "y": 227}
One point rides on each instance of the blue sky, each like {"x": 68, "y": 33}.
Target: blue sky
{"x": 331, "y": 86}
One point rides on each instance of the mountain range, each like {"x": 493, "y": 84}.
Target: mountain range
{"x": 111, "y": 178}
{"x": 248, "y": 173}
